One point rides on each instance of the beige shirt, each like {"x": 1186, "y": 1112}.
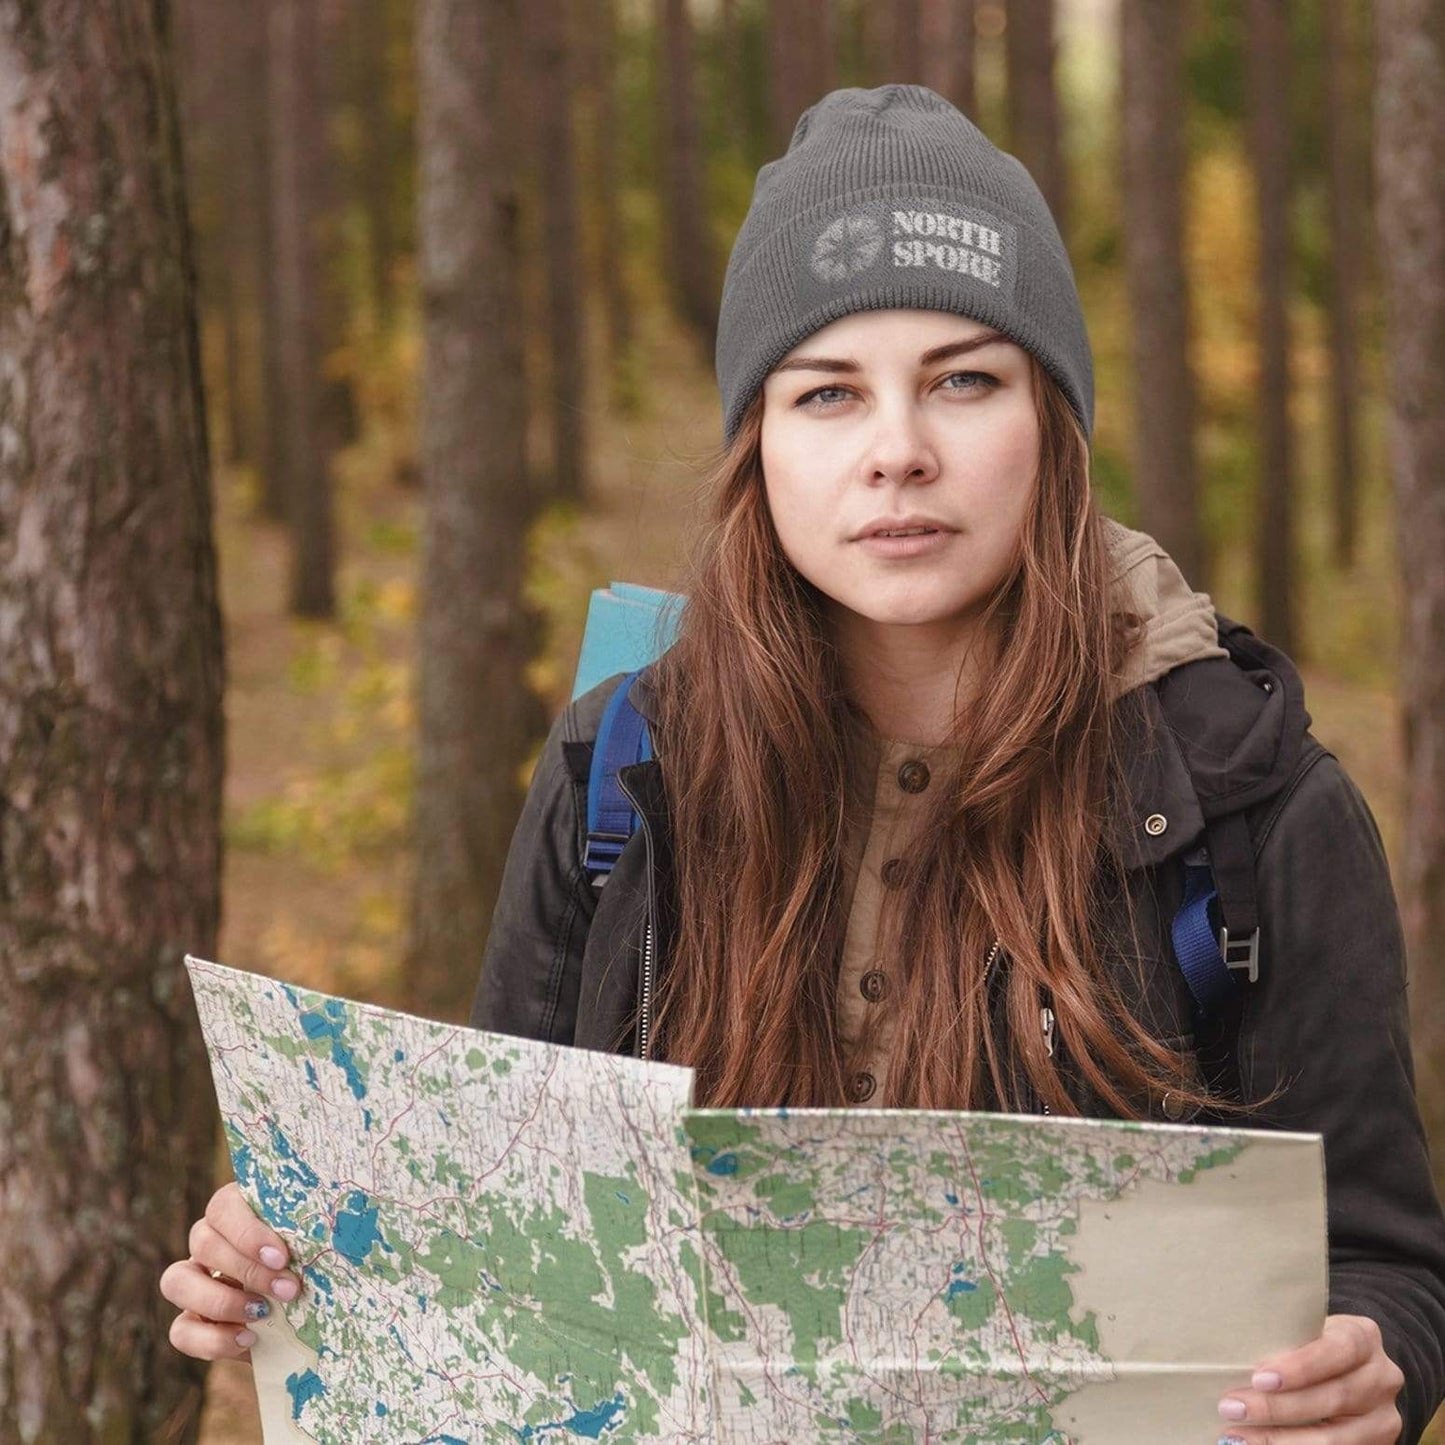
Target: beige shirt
{"x": 880, "y": 837}
{"x": 893, "y": 782}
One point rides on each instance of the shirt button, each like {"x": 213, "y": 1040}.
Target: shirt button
{"x": 913, "y": 776}
{"x": 873, "y": 985}
{"x": 861, "y": 1086}
{"x": 892, "y": 872}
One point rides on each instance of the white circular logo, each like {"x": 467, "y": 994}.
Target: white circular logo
{"x": 849, "y": 245}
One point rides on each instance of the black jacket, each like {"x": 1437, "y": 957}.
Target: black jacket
{"x": 1326, "y": 1021}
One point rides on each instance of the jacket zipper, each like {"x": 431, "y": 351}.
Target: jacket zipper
{"x": 1046, "y": 1021}
{"x": 988, "y": 962}
{"x": 644, "y": 1012}
{"x": 644, "y": 1020}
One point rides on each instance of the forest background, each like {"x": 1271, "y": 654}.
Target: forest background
{"x": 451, "y": 271}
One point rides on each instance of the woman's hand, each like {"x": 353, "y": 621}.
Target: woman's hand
{"x": 1337, "y": 1390}
{"x": 251, "y": 1260}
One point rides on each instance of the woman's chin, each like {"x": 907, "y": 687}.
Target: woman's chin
{"x": 913, "y": 614}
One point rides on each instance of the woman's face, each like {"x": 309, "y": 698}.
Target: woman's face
{"x": 890, "y": 419}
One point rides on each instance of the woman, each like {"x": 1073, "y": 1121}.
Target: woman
{"x": 930, "y": 750}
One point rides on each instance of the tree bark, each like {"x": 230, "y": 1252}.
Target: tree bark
{"x": 947, "y": 38}
{"x": 1409, "y": 161}
{"x": 874, "y": 26}
{"x": 477, "y": 718}
{"x": 220, "y": 86}
{"x": 801, "y": 44}
{"x": 274, "y": 479}
{"x": 907, "y": 48}
{"x": 1033, "y": 101}
{"x": 1152, "y": 152}
{"x": 1348, "y": 263}
{"x": 566, "y": 324}
{"x": 1268, "y": 72}
{"x": 733, "y": 65}
{"x": 111, "y": 729}
{"x": 371, "y": 22}
{"x": 607, "y": 173}
{"x": 298, "y": 158}
{"x": 689, "y": 246}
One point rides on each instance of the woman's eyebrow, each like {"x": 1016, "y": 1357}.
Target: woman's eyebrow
{"x": 938, "y": 353}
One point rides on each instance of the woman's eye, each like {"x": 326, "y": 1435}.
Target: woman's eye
{"x": 812, "y": 398}
{"x": 981, "y": 380}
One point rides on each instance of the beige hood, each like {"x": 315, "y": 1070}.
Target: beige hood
{"x": 1179, "y": 622}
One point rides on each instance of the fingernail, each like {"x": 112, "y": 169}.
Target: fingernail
{"x": 1267, "y": 1380}
{"x": 1232, "y": 1440}
{"x": 1233, "y": 1409}
{"x": 245, "y": 1339}
{"x": 272, "y": 1257}
{"x": 285, "y": 1287}
{"x": 257, "y": 1309}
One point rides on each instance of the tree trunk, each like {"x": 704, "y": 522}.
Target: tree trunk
{"x": 274, "y": 443}
{"x": 1267, "y": 65}
{"x": 373, "y": 28}
{"x": 689, "y": 247}
{"x": 245, "y": 75}
{"x": 733, "y": 65}
{"x": 297, "y": 137}
{"x": 371, "y": 23}
{"x": 1409, "y": 161}
{"x": 608, "y": 181}
{"x": 907, "y": 47}
{"x": 801, "y": 43}
{"x": 477, "y": 718}
{"x": 216, "y": 55}
{"x": 111, "y": 728}
{"x": 1348, "y": 262}
{"x": 561, "y": 247}
{"x": 1033, "y": 101}
{"x": 946, "y": 29}
{"x": 874, "y": 25}
{"x": 1152, "y": 152}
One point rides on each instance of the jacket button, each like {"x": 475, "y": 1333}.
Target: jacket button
{"x": 861, "y": 1086}
{"x": 1155, "y": 824}
{"x": 1173, "y": 1106}
{"x": 892, "y": 872}
{"x": 873, "y": 985}
{"x": 913, "y": 776}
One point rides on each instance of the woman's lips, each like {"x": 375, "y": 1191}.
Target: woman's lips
{"x": 918, "y": 545}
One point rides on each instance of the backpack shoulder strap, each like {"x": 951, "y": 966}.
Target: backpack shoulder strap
{"x": 622, "y": 738}
{"x": 1221, "y": 872}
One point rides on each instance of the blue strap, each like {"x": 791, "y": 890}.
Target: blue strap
{"x": 622, "y": 738}
{"x": 1196, "y": 944}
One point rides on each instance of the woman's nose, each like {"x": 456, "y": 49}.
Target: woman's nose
{"x": 899, "y": 448}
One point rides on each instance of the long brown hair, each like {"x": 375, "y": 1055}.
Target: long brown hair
{"x": 752, "y": 736}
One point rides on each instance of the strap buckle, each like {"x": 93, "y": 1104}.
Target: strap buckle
{"x": 603, "y": 850}
{"x": 1241, "y": 953}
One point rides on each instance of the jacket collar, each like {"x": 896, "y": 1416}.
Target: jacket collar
{"x": 1162, "y": 815}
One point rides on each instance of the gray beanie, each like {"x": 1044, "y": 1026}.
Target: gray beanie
{"x": 894, "y": 198}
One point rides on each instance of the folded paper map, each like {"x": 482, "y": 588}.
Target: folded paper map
{"x": 503, "y": 1240}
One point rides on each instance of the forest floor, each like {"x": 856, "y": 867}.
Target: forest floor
{"x": 319, "y": 715}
